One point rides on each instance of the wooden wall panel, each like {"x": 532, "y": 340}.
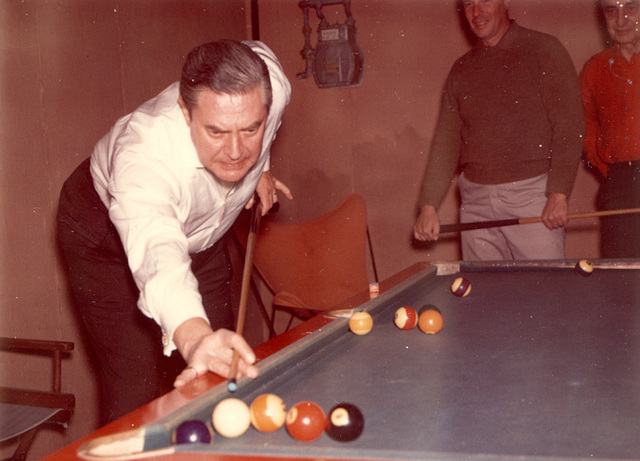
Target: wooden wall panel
{"x": 70, "y": 68}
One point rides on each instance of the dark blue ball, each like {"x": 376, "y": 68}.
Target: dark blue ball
{"x": 192, "y": 431}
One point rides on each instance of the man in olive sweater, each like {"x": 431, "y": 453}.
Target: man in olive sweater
{"x": 511, "y": 119}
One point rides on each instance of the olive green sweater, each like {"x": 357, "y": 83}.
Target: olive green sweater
{"x": 508, "y": 113}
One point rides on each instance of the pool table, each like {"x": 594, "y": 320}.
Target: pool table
{"x": 536, "y": 362}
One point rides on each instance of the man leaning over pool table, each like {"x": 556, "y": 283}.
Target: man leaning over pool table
{"x": 141, "y": 223}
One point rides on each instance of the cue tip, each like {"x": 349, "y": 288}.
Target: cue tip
{"x": 232, "y": 386}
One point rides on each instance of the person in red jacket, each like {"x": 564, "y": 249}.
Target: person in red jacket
{"x": 610, "y": 84}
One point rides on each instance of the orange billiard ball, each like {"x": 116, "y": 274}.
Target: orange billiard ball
{"x": 305, "y": 421}
{"x": 406, "y": 318}
{"x": 361, "y": 323}
{"x": 267, "y": 412}
{"x": 430, "y": 320}
{"x": 461, "y": 287}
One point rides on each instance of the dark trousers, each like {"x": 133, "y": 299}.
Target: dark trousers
{"x": 620, "y": 237}
{"x": 127, "y": 344}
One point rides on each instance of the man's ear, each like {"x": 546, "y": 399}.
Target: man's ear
{"x": 185, "y": 110}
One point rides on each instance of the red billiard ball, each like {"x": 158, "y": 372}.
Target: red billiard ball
{"x": 461, "y": 287}
{"x": 305, "y": 421}
{"x": 192, "y": 431}
{"x": 584, "y": 268}
{"x": 231, "y": 418}
{"x": 406, "y": 318}
{"x": 360, "y": 323}
{"x": 430, "y": 320}
{"x": 268, "y": 413}
{"x": 345, "y": 422}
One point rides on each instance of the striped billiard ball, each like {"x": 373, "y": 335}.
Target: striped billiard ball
{"x": 360, "y": 323}
{"x": 267, "y": 413}
{"x": 406, "y": 318}
{"x": 461, "y": 287}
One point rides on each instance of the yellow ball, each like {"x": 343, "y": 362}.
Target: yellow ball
{"x": 231, "y": 418}
{"x": 361, "y": 323}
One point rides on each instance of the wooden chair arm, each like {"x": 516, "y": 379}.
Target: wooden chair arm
{"x": 56, "y": 348}
{"x": 17, "y": 344}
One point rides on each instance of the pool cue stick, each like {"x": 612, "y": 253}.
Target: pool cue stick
{"x": 461, "y": 227}
{"x": 256, "y": 211}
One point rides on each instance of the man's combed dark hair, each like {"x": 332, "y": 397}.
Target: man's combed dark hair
{"x": 225, "y": 67}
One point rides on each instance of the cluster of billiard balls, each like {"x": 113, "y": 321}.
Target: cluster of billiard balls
{"x": 428, "y": 319}
{"x": 305, "y": 421}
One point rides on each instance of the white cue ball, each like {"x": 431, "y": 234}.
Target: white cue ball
{"x": 231, "y": 418}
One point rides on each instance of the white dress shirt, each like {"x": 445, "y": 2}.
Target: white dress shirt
{"x": 165, "y": 204}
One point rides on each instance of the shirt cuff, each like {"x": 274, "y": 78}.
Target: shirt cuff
{"x": 169, "y": 328}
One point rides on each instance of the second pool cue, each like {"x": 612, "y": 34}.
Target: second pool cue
{"x": 461, "y": 227}
{"x": 256, "y": 212}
